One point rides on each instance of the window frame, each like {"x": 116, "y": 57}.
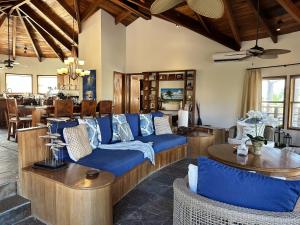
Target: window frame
{"x": 283, "y": 77}
{"x": 290, "y": 102}
{"x": 19, "y": 74}
{"x": 37, "y": 82}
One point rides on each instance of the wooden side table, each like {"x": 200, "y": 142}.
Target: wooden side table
{"x": 198, "y": 143}
{"x": 65, "y": 196}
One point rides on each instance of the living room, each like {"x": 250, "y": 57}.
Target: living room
{"x": 123, "y": 39}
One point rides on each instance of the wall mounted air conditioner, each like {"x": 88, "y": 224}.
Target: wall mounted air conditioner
{"x": 229, "y": 56}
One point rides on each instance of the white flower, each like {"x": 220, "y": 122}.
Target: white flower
{"x": 255, "y": 114}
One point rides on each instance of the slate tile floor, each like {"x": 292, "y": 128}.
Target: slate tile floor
{"x": 151, "y": 202}
{"x": 8, "y": 159}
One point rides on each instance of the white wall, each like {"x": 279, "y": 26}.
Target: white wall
{"x": 90, "y": 48}
{"x": 32, "y": 66}
{"x": 113, "y": 53}
{"x": 102, "y": 45}
{"x": 159, "y": 45}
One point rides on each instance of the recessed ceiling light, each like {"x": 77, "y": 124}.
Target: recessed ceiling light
{"x": 278, "y": 29}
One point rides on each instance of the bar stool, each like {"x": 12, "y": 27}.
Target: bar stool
{"x": 105, "y": 107}
{"x": 88, "y": 108}
{"x": 15, "y": 121}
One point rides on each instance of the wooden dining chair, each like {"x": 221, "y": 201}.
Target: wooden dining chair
{"x": 88, "y": 108}
{"x": 15, "y": 120}
{"x": 105, "y": 107}
{"x": 3, "y": 113}
{"x": 63, "y": 108}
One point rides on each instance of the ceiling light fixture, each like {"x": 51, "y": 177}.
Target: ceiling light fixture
{"x": 73, "y": 64}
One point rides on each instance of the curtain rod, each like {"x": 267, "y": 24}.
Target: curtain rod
{"x": 265, "y": 67}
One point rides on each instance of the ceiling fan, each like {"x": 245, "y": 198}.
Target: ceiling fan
{"x": 260, "y": 52}
{"x": 8, "y": 63}
{"x": 207, "y": 8}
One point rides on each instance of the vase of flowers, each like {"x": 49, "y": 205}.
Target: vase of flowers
{"x": 257, "y": 139}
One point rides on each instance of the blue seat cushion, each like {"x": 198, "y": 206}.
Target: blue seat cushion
{"x": 58, "y": 127}
{"x": 105, "y": 124}
{"x": 241, "y": 188}
{"x": 117, "y": 162}
{"x": 134, "y": 123}
{"x": 164, "y": 141}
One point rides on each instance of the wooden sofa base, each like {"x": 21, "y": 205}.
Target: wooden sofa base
{"x": 32, "y": 149}
{"x": 128, "y": 181}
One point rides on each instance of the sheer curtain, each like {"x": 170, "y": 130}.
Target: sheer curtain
{"x": 252, "y": 91}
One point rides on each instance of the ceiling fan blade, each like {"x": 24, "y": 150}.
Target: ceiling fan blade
{"x": 16, "y": 63}
{"x": 208, "y": 8}
{"x": 160, "y": 6}
{"x": 246, "y": 57}
{"x": 276, "y": 51}
{"x": 268, "y": 56}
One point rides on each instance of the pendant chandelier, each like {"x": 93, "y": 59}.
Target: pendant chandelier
{"x": 72, "y": 63}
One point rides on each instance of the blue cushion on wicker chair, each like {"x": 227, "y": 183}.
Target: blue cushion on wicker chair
{"x": 241, "y": 188}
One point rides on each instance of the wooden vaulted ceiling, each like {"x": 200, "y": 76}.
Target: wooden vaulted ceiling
{"x": 44, "y": 28}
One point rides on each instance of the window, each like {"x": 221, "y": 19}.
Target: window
{"x": 294, "y": 118}
{"x": 46, "y": 82}
{"x": 273, "y": 97}
{"x": 18, "y": 83}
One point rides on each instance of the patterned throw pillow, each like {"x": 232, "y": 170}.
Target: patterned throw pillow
{"x": 78, "y": 142}
{"x": 162, "y": 125}
{"x": 146, "y": 124}
{"x": 93, "y": 130}
{"x": 117, "y": 119}
{"x": 125, "y": 133}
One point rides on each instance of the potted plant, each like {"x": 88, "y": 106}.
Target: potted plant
{"x": 257, "y": 140}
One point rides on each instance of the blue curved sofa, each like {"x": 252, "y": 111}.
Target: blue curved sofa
{"x": 120, "y": 162}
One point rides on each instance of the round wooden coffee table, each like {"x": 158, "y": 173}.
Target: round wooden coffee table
{"x": 272, "y": 161}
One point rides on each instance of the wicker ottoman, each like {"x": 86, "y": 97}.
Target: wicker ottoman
{"x": 193, "y": 209}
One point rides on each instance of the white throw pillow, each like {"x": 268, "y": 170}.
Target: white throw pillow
{"x": 162, "y": 125}
{"x": 78, "y": 142}
{"x": 193, "y": 177}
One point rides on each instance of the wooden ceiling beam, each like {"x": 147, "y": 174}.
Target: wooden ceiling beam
{"x": 93, "y": 7}
{"x": 291, "y": 8}
{"x": 2, "y": 19}
{"x": 193, "y": 25}
{"x": 54, "y": 18}
{"x": 232, "y": 22}
{"x": 268, "y": 29}
{"x": 133, "y": 8}
{"x": 14, "y": 37}
{"x": 77, "y": 13}
{"x": 17, "y": 4}
{"x": 69, "y": 9}
{"x": 203, "y": 23}
{"x": 43, "y": 24}
{"x": 122, "y": 16}
{"x": 30, "y": 35}
{"x": 48, "y": 39}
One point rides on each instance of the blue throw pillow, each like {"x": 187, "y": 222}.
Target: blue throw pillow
{"x": 134, "y": 123}
{"x": 146, "y": 124}
{"x": 93, "y": 130}
{"x": 117, "y": 119}
{"x": 105, "y": 125}
{"x": 241, "y": 188}
{"x": 124, "y": 132}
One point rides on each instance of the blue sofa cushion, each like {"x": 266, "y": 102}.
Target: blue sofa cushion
{"x": 164, "y": 141}
{"x": 117, "y": 162}
{"x": 157, "y": 114}
{"x": 58, "y": 127}
{"x": 241, "y": 188}
{"x": 134, "y": 123}
{"x": 105, "y": 128}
